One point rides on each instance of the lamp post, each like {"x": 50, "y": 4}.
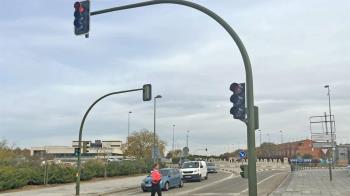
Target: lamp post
{"x": 281, "y": 136}
{"x": 187, "y": 138}
{"x": 128, "y": 126}
{"x": 154, "y": 128}
{"x": 330, "y": 121}
{"x": 173, "y": 138}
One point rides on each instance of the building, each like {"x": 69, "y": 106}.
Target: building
{"x": 299, "y": 148}
{"x": 342, "y": 154}
{"x": 89, "y": 149}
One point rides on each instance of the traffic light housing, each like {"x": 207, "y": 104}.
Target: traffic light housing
{"x": 238, "y": 99}
{"x": 81, "y": 17}
{"x": 76, "y": 151}
{"x": 85, "y": 148}
{"x": 244, "y": 171}
{"x": 147, "y": 92}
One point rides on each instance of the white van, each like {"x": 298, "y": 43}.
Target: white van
{"x": 194, "y": 170}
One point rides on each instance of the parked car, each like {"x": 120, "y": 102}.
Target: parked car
{"x": 170, "y": 178}
{"x": 212, "y": 168}
{"x": 194, "y": 170}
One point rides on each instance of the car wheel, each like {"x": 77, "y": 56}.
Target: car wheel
{"x": 144, "y": 190}
{"x": 181, "y": 183}
{"x": 166, "y": 186}
{"x": 200, "y": 178}
{"x": 206, "y": 177}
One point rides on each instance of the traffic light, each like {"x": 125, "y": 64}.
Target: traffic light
{"x": 147, "y": 92}
{"x": 85, "y": 148}
{"x": 238, "y": 100}
{"x": 244, "y": 171}
{"x": 76, "y": 151}
{"x": 81, "y": 17}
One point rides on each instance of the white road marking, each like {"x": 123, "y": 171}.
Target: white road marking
{"x": 263, "y": 180}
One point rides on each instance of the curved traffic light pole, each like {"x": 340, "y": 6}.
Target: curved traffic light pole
{"x": 249, "y": 77}
{"x": 77, "y": 187}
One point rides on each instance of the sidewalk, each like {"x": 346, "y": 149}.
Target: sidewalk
{"x": 315, "y": 182}
{"x": 86, "y": 188}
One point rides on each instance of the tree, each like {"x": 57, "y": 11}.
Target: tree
{"x": 173, "y": 154}
{"x": 267, "y": 150}
{"x": 139, "y": 145}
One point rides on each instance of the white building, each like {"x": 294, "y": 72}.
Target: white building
{"x": 88, "y": 148}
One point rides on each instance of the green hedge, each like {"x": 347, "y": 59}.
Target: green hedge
{"x": 12, "y": 177}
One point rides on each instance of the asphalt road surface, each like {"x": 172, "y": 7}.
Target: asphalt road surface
{"x": 222, "y": 183}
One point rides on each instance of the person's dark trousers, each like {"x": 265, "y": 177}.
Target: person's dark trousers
{"x": 156, "y": 189}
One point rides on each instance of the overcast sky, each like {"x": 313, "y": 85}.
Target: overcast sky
{"x": 49, "y": 76}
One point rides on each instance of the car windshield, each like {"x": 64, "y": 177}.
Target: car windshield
{"x": 190, "y": 165}
{"x": 210, "y": 164}
{"x": 164, "y": 172}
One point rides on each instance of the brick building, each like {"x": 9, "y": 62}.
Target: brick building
{"x": 299, "y": 148}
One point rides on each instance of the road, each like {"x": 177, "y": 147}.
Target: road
{"x": 222, "y": 183}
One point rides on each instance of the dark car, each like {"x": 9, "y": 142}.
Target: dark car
{"x": 211, "y": 167}
{"x": 170, "y": 178}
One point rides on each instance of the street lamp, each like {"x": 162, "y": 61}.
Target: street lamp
{"x": 173, "y": 138}
{"x": 187, "y": 138}
{"x": 260, "y": 136}
{"x": 154, "y": 127}
{"x": 281, "y": 136}
{"x": 128, "y": 126}
{"x": 330, "y": 120}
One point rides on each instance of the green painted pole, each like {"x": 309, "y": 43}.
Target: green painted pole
{"x": 77, "y": 185}
{"x": 252, "y": 182}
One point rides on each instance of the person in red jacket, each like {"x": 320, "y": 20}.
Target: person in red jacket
{"x": 156, "y": 177}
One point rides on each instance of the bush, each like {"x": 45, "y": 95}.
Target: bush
{"x": 60, "y": 174}
{"x": 11, "y": 177}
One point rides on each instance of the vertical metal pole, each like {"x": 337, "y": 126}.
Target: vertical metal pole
{"x": 331, "y": 124}
{"x": 128, "y": 127}
{"x": 173, "y": 138}
{"x": 187, "y": 138}
{"x": 154, "y": 130}
{"x": 281, "y": 136}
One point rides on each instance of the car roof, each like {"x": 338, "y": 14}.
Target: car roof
{"x": 166, "y": 169}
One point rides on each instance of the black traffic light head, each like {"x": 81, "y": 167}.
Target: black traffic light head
{"x": 81, "y": 17}
{"x": 244, "y": 171}
{"x": 238, "y": 100}
{"x": 147, "y": 92}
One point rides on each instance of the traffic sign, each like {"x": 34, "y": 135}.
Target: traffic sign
{"x": 242, "y": 154}
{"x": 155, "y": 152}
{"x": 324, "y": 150}
{"x": 185, "y": 151}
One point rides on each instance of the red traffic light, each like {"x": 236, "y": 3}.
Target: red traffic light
{"x": 236, "y": 88}
{"x": 77, "y": 5}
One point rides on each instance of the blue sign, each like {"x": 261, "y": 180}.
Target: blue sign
{"x": 300, "y": 160}
{"x": 242, "y": 154}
